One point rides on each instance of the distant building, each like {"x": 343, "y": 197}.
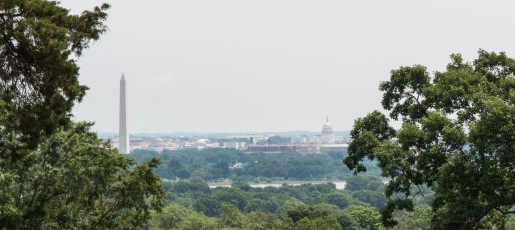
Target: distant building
{"x": 317, "y": 140}
{"x": 271, "y": 148}
{"x": 327, "y": 129}
{"x": 204, "y": 143}
{"x": 139, "y": 144}
{"x": 327, "y": 136}
{"x": 234, "y": 145}
{"x": 258, "y": 140}
{"x": 115, "y": 143}
{"x": 340, "y": 148}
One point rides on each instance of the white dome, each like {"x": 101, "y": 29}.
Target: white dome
{"x": 157, "y": 139}
{"x": 201, "y": 142}
{"x": 327, "y": 129}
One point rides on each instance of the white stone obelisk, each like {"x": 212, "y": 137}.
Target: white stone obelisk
{"x": 123, "y": 134}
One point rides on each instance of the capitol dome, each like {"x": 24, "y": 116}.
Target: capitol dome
{"x": 327, "y": 129}
{"x": 157, "y": 140}
{"x": 201, "y": 142}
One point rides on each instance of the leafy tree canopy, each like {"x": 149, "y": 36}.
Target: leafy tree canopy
{"x": 75, "y": 181}
{"x": 54, "y": 173}
{"x": 39, "y": 44}
{"x": 457, "y": 137}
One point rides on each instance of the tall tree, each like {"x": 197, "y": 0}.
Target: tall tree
{"x": 54, "y": 173}
{"x": 39, "y": 45}
{"x": 74, "y": 181}
{"x": 457, "y": 137}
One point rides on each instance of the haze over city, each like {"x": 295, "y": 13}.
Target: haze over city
{"x": 235, "y": 66}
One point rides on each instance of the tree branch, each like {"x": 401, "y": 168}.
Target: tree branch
{"x": 109, "y": 210}
{"x": 505, "y": 212}
{"x": 492, "y": 205}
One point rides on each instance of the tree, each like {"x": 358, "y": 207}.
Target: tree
{"x": 457, "y": 137}
{"x": 367, "y": 218}
{"x": 339, "y": 199}
{"x": 178, "y": 217}
{"x": 183, "y": 173}
{"x": 510, "y": 223}
{"x": 419, "y": 219}
{"x": 374, "y": 198}
{"x": 219, "y": 170}
{"x": 75, "y": 181}
{"x": 231, "y": 217}
{"x": 39, "y": 45}
{"x": 233, "y": 196}
{"x": 54, "y": 173}
{"x": 208, "y": 206}
{"x": 326, "y": 222}
{"x": 262, "y": 220}
{"x": 347, "y": 222}
{"x": 357, "y": 183}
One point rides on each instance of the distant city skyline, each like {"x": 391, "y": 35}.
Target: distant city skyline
{"x": 325, "y": 141}
{"x": 270, "y": 66}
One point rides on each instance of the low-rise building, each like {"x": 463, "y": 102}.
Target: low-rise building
{"x": 333, "y": 148}
{"x": 234, "y": 145}
{"x": 271, "y": 148}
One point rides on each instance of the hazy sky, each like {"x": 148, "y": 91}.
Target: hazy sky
{"x": 271, "y": 65}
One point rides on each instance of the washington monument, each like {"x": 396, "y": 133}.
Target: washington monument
{"x": 123, "y": 135}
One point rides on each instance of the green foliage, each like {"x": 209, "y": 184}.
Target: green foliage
{"x": 232, "y": 196}
{"x": 179, "y": 217}
{"x": 209, "y": 206}
{"x": 510, "y": 223}
{"x": 347, "y": 222}
{"x": 231, "y": 217}
{"x": 328, "y": 223}
{"x": 357, "y": 183}
{"x": 39, "y": 45}
{"x": 374, "y": 198}
{"x": 219, "y": 170}
{"x": 307, "y": 206}
{"x": 75, "y": 181}
{"x": 419, "y": 219}
{"x": 311, "y": 212}
{"x": 339, "y": 199}
{"x": 54, "y": 173}
{"x": 457, "y": 138}
{"x": 216, "y": 164}
{"x": 367, "y": 218}
{"x": 262, "y": 220}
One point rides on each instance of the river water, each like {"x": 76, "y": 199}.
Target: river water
{"x": 339, "y": 184}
